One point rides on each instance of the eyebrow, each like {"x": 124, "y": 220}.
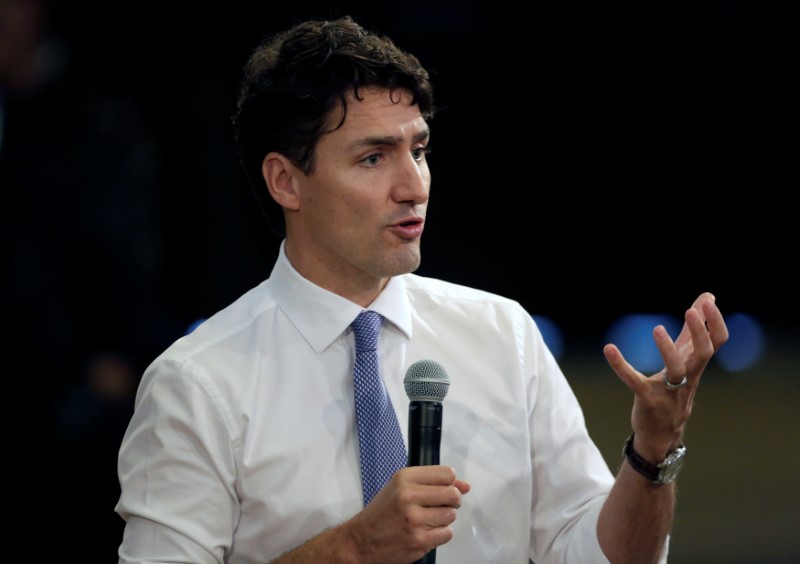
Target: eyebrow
{"x": 391, "y": 139}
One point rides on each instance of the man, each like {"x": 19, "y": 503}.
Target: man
{"x": 244, "y": 444}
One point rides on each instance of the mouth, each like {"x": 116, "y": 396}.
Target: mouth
{"x": 411, "y": 222}
{"x": 409, "y": 228}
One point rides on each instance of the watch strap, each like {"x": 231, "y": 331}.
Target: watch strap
{"x": 650, "y": 471}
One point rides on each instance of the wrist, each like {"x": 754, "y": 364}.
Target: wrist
{"x": 653, "y": 448}
{"x": 663, "y": 472}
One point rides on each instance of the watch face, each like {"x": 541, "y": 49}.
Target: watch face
{"x": 671, "y": 466}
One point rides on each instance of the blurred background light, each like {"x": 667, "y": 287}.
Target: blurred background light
{"x": 745, "y": 346}
{"x": 194, "y": 325}
{"x": 633, "y": 335}
{"x": 552, "y": 334}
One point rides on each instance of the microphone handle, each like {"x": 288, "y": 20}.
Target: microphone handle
{"x": 424, "y": 432}
{"x": 424, "y": 440}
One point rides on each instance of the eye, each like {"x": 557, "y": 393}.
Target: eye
{"x": 420, "y": 152}
{"x": 372, "y": 160}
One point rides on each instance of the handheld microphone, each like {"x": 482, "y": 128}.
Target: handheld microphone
{"x": 426, "y": 383}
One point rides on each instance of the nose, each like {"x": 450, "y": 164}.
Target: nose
{"x": 412, "y": 180}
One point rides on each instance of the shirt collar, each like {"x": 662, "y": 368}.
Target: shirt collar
{"x": 322, "y": 316}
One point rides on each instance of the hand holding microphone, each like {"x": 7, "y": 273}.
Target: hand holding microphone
{"x": 426, "y": 384}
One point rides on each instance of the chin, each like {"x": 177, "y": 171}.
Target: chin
{"x": 404, "y": 261}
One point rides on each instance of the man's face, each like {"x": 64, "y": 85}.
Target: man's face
{"x": 362, "y": 209}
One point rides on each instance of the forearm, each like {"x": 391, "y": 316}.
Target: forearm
{"x": 636, "y": 518}
{"x": 335, "y": 545}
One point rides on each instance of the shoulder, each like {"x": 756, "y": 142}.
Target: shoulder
{"x": 225, "y": 335}
{"x": 422, "y": 285}
{"x": 428, "y": 293}
{"x": 216, "y": 363}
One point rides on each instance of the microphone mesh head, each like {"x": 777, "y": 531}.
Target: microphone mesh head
{"x": 426, "y": 380}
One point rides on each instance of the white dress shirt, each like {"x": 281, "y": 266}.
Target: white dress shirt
{"x": 243, "y": 443}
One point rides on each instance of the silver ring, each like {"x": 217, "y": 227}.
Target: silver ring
{"x": 671, "y": 386}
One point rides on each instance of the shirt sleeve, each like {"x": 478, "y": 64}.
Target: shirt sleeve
{"x": 177, "y": 472}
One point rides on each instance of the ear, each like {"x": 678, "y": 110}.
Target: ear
{"x": 279, "y": 173}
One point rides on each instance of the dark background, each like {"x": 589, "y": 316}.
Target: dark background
{"x": 589, "y": 160}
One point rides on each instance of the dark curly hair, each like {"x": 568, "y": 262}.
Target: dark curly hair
{"x": 294, "y": 79}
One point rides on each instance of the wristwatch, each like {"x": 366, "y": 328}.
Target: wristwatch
{"x": 662, "y": 473}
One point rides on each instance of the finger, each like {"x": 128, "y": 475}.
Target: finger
{"x": 701, "y": 339}
{"x": 463, "y": 486}
{"x": 440, "y": 496}
{"x": 435, "y": 537}
{"x": 699, "y": 304}
{"x": 435, "y": 517}
{"x": 704, "y": 298}
{"x": 715, "y": 323}
{"x": 674, "y": 361}
{"x": 431, "y": 475}
{"x": 627, "y": 373}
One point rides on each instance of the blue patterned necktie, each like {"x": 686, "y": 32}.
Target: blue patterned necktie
{"x": 380, "y": 441}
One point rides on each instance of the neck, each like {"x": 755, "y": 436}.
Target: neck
{"x": 349, "y": 283}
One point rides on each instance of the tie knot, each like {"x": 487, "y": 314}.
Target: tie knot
{"x": 366, "y": 328}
